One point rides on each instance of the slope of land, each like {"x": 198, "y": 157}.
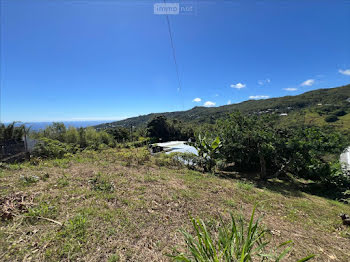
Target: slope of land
{"x": 287, "y": 104}
{"x": 125, "y": 205}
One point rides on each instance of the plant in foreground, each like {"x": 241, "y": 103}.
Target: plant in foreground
{"x": 235, "y": 242}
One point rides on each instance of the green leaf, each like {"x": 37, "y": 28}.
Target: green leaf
{"x": 307, "y": 258}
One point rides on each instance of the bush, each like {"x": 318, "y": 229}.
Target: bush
{"x": 340, "y": 113}
{"x": 142, "y": 155}
{"x": 82, "y": 137}
{"x": 337, "y": 181}
{"x": 234, "y": 242}
{"x": 331, "y": 118}
{"x": 49, "y": 148}
{"x": 189, "y": 159}
{"x": 168, "y": 160}
{"x": 126, "y": 156}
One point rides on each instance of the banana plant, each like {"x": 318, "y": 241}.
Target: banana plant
{"x": 208, "y": 150}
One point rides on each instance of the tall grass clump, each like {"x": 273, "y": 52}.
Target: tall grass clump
{"x": 234, "y": 242}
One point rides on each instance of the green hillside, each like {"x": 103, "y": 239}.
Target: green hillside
{"x": 128, "y": 205}
{"x": 305, "y": 107}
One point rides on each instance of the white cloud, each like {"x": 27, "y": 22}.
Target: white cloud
{"x": 238, "y": 85}
{"x": 216, "y": 95}
{"x": 197, "y": 100}
{"x": 258, "y": 97}
{"x": 229, "y": 102}
{"x": 308, "y": 82}
{"x": 290, "y": 89}
{"x": 345, "y": 72}
{"x": 263, "y": 82}
{"x": 209, "y": 104}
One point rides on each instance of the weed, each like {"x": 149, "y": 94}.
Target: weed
{"x": 99, "y": 184}
{"x": 150, "y": 178}
{"x": 230, "y": 203}
{"x": 42, "y": 210}
{"x": 168, "y": 160}
{"x": 61, "y": 162}
{"x": 232, "y": 243}
{"x": 245, "y": 185}
{"x": 63, "y": 181}
{"x": 28, "y": 180}
{"x": 73, "y": 236}
{"x": 114, "y": 258}
{"x": 126, "y": 156}
{"x": 45, "y": 177}
{"x": 142, "y": 156}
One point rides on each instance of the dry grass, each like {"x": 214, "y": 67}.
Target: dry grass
{"x": 143, "y": 201}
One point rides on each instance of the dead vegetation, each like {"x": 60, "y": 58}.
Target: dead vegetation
{"x": 124, "y": 205}
{"x": 14, "y": 204}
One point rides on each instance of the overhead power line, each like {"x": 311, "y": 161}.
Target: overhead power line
{"x": 173, "y": 50}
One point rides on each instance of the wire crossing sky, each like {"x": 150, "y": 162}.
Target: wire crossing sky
{"x": 108, "y": 60}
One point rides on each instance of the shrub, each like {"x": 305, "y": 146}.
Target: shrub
{"x": 337, "y": 181}
{"x": 168, "y": 160}
{"x": 340, "y": 113}
{"x": 49, "y": 148}
{"x": 81, "y": 137}
{"x": 189, "y": 159}
{"x": 125, "y": 155}
{"x": 234, "y": 242}
{"x": 331, "y": 118}
{"x": 142, "y": 155}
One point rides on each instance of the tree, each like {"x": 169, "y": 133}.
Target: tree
{"x": 120, "y": 134}
{"x": 11, "y": 132}
{"x": 158, "y": 128}
{"x": 72, "y": 135}
{"x": 256, "y": 144}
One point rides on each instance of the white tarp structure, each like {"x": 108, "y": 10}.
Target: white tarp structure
{"x": 345, "y": 159}
{"x": 177, "y": 146}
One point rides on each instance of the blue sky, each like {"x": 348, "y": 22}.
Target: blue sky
{"x": 93, "y": 60}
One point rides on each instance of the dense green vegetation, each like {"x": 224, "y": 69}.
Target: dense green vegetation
{"x": 57, "y": 140}
{"x": 161, "y": 129}
{"x": 257, "y": 144}
{"x": 317, "y": 100}
{"x": 11, "y": 133}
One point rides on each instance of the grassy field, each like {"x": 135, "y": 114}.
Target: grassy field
{"x": 312, "y": 118}
{"x": 125, "y": 205}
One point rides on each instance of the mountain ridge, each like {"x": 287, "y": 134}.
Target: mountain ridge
{"x": 201, "y": 114}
